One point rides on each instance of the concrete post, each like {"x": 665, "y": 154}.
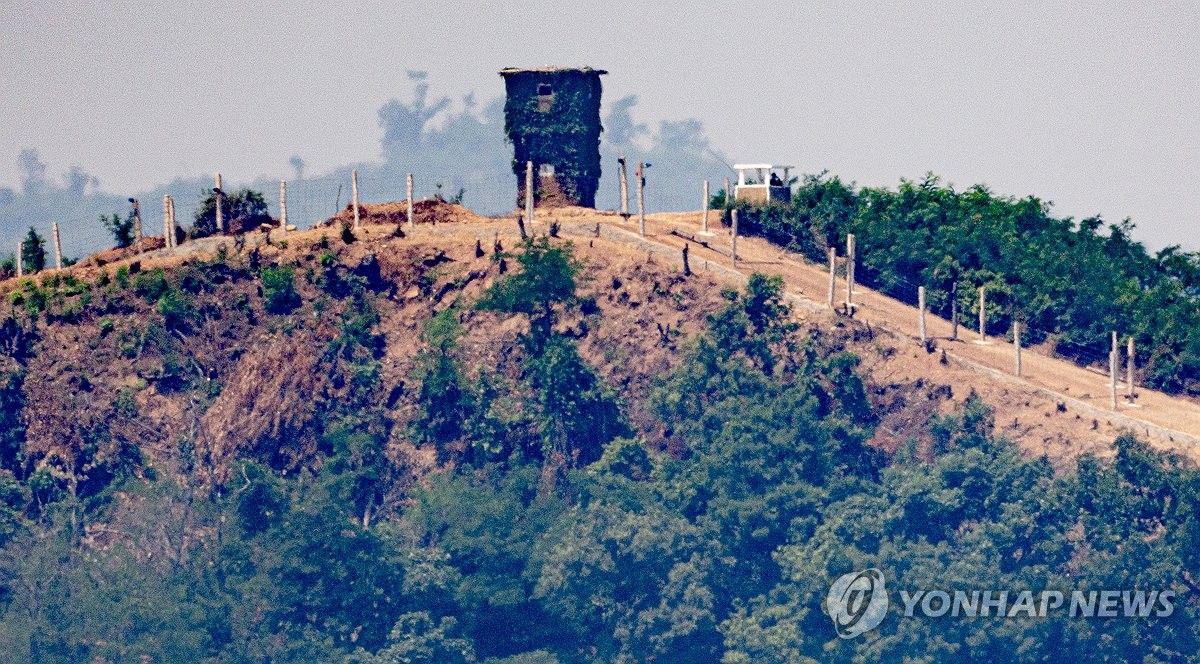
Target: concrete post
{"x": 1129, "y": 367}
{"x": 20, "y": 259}
{"x": 982, "y": 314}
{"x": 704, "y": 222}
{"x": 832, "y": 274}
{"x": 354, "y": 195}
{"x": 641, "y": 197}
{"x": 921, "y": 318}
{"x": 1017, "y": 346}
{"x": 733, "y": 238}
{"x": 220, "y": 204}
{"x": 624, "y": 188}
{"x": 1112, "y": 370}
{"x": 850, "y": 272}
{"x": 283, "y": 223}
{"x": 410, "y": 200}
{"x": 529, "y": 192}
{"x": 57, "y": 247}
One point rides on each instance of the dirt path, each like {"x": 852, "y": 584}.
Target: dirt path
{"x": 1152, "y": 413}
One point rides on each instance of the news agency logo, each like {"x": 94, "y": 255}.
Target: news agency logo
{"x": 857, "y": 602}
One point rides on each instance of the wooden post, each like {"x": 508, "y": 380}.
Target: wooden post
{"x": 220, "y": 204}
{"x": 982, "y": 314}
{"x": 410, "y": 200}
{"x": 641, "y": 197}
{"x": 954, "y": 311}
{"x": 1112, "y": 370}
{"x": 832, "y": 274}
{"x": 529, "y": 192}
{"x": 166, "y": 222}
{"x": 728, "y": 195}
{"x": 57, "y": 247}
{"x": 687, "y": 269}
{"x": 354, "y": 195}
{"x": 174, "y": 224}
{"x": 624, "y": 188}
{"x": 1129, "y": 367}
{"x": 704, "y": 223}
{"x": 137, "y": 221}
{"x": 921, "y": 321}
{"x": 283, "y": 209}
{"x": 850, "y": 272}
{"x": 20, "y": 259}
{"x": 1017, "y": 345}
{"x": 733, "y": 238}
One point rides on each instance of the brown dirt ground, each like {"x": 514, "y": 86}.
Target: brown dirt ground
{"x": 1056, "y": 409}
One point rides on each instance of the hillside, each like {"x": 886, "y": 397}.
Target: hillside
{"x": 450, "y": 445}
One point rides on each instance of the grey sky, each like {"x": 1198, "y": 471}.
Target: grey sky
{"x": 1091, "y": 105}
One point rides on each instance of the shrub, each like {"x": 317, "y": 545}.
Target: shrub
{"x": 279, "y": 289}
{"x": 150, "y": 285}
{"x": 33, "y": 251}
{"x": 121, "y": 228}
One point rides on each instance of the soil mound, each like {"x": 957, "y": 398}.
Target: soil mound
{"x": 425, "y": 211}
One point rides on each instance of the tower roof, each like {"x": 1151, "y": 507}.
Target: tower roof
{"x": 508, "y": 71}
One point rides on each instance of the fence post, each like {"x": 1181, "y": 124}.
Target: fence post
{"x": 1129, "y": 367}
{"x": 982, "y": 314}
{"x": 1112, "y": 370}
{"x": 1017, "y": 345}
{"x": 283, "y": 209}
{"x": 354, "y": 195}
{"x": 728, "y": 195}
{"x": 529, "y": 192}
{"x": 137, "y": 222}
{"x": 409, "y": 179}
{"x": 624, "y": 188}
{"x": 166, "y": 222}
{"x": 57, "y": 247}
{"x": 733, "y": 238}
{"x": 704, "y": 224}
{"x": 174, "y": 224}
{"x": 850, "y": 272}
{"x": 687, "y": 269}
{"x": 954, "y": 311}
{"x": 921, "y": 306}
{"x": 20, "y": 259}
{"x": 832, "y": 274}
{"x": 220, "y": 204}
{"x": 641, "y": 197}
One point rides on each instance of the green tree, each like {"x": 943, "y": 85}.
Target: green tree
{"x": 33, "y": 251}
{"x": 120, "y": 227}
{"x": 241, "y": 211}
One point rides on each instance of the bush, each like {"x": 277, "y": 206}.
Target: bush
{"x": 33, "y": 251}
{"x": 279, "y": 289}
{"x": 121, "y": 229}
{"x": 242, "y": 210}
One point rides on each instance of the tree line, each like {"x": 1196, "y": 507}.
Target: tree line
{"x": 554, "y": 529}
{"x": 1070, "y": 283}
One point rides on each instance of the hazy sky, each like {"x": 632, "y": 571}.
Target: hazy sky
{"x": 1095, "y": 106}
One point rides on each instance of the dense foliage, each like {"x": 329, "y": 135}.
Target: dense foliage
{"x": 553, "y": 532}
{"x": 1066, "y": 281}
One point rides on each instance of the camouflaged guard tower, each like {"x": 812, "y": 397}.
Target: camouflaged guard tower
{"x": 552, "y": 117}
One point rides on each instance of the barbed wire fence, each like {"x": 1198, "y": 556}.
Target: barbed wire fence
{"x": 312, "y": 200}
